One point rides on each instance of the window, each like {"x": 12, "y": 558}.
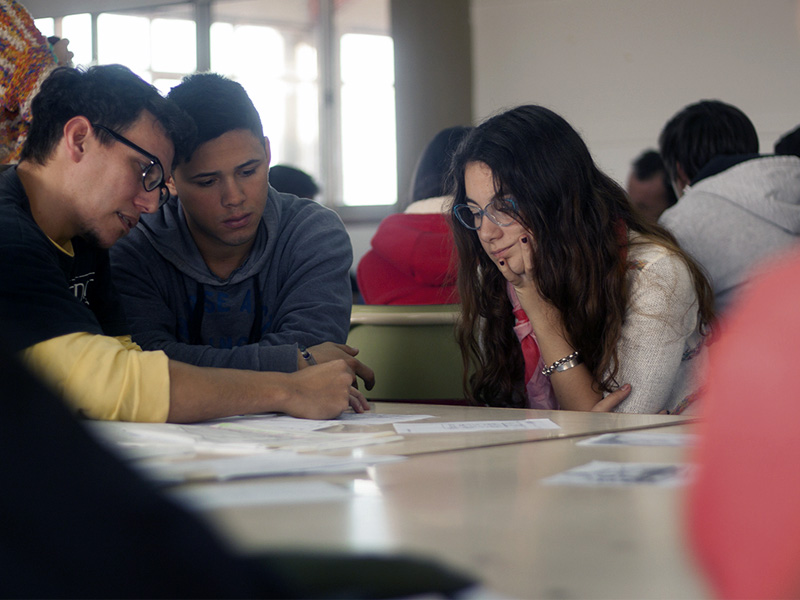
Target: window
{"x": 78, "y": 30}
{"x": 256, "y": 57}
{"x": 160, "y": 45}
{"x": 321, "y": 75}
{"x": 367, "y": 104}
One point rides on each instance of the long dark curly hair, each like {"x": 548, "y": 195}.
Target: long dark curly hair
{"x": 577, "y": 216}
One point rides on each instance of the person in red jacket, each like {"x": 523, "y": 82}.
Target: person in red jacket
{"x": 743, "y": 517}
{"x": 412, "y": 256}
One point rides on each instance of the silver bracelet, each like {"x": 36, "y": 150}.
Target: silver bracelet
{"x": 307, "y": 356}
{"x": 562, "y": 364}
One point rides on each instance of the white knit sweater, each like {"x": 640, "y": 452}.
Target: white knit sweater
{"x": 661, "y": 347}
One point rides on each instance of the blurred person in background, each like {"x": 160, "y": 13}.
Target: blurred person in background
{"x": 412, "y": 256}
{"x": 60, "y": 47}
{"x": 291, "y": 180}
{"x": 649, "y": 187}
{"x": 736, "y": 208}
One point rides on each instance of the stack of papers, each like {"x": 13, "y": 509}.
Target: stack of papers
{"x": 475, "y": 426}
{"x": 599, "y": 473}
{"x": 271, "y": 463}
{"x": 237, "y": 435}
{"x": 252, "y": 446}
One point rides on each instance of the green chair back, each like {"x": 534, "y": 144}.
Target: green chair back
{"x": 412, "y": 350}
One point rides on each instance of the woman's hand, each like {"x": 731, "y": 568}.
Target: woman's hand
{"x": 575, "y": 389}
{"x": 521, "y": 277}
{"x": 610, "y": 402}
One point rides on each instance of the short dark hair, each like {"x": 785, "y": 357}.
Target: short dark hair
{"x": 216, "y": 105}
{"x": 647, "y": 164}
{"x": 703, "y": 130}
{"x": 110, "y": 95}
{"x": 292, "y": 180}
{"x": 430, "y": 175}
{"x": 650, "y": 164}
{"x": 789, "y": 143}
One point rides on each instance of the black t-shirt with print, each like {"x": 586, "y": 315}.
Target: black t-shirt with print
{"x": 44, "y": 293}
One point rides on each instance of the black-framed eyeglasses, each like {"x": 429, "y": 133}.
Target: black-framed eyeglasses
{"x": 152, "y": 174}
{"x": 501, "y": 211}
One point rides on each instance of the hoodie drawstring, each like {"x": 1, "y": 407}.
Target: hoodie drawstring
{"x": 196, "y": 318}
{"x": 255, "y": 330}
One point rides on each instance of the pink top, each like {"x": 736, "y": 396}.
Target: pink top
{"x": 538, "y": 387}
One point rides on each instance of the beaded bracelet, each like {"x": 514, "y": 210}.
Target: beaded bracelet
{"x": 562, "y": 364}
{"x": 307, "y": 356}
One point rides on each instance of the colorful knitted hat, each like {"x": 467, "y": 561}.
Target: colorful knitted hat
{"x": 25, "y": 61}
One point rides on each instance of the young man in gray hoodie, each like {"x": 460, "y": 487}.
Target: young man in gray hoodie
{"x": 230, "y": 272}
{"x": 736, "y": 208}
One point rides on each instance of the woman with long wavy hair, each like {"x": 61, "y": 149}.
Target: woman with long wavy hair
{"x": 566, "y": 292}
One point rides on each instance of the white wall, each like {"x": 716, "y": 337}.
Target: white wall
{"x": 617, "y": 70}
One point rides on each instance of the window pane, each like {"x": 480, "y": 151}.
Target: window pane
{"x": 367, "y": 58}
{"x": 174, "y": 45}
{"x": 78, "y": 30}
{"x": 270, "y": 102}
{"x": 255, "y": 57}
{"x": 164, "y": 85}
{"x": 248, "y": 49}
{"x": 307, "y": 113}
{"x": 306, "y": 62}
{"x": 125, "y": 40}
{"x": 223, "y": 59}
{"x": 369, "y": 151}
{"x": 47, "y": 26}
{"x": 306, "y": 153}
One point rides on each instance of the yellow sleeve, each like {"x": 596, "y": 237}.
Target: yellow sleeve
{"x": 103, "y": 377}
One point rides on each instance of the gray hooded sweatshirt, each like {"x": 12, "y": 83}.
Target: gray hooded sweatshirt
{"x": 294, "y": 288}
{"x": 734, "y": 220}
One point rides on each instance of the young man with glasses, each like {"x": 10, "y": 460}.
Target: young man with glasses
{"x": 93, "y": 163}
{"x": 232, "y": 273}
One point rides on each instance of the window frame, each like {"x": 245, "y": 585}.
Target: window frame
{"x": 326, "y": 38}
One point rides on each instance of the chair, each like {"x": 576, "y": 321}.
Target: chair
{"x": 412, "y": 350}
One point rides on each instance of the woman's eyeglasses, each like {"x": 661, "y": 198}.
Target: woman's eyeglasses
{"x": 152, "y": 174}
{"x": 501, "y": 211}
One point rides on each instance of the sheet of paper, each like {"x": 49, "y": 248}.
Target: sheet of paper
{"x": 607, "y": 474}
{"x": 231, "y": 437}
{"x": 474, "y": 426}
{"x": 315, "y": 441}
{"x": 635, "y": 438}
{"x": 269, "y": 422}
{"x": 209, "y": 497}
{"x": 279, "y": 423}
{"x": 145, "y": 451}
{"x": 349, "y": 418}
{"x": 273, "y": 463}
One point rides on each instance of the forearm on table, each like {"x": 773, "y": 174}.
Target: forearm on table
{"x": 574, "y": 388}
{"x": 202, "y": 393}
{"x": 255, "y": 357}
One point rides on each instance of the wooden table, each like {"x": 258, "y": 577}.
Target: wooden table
{"x": 484, "y": 510}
